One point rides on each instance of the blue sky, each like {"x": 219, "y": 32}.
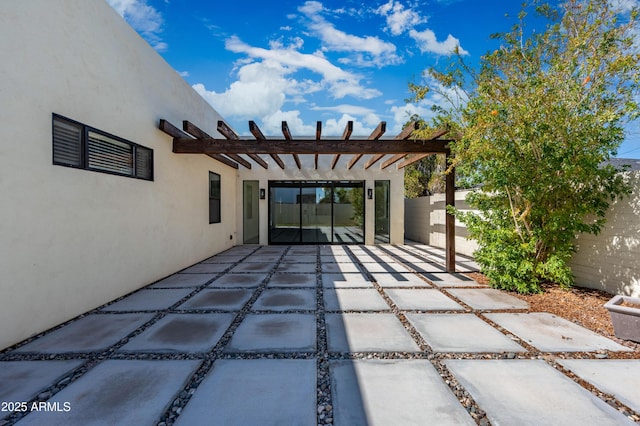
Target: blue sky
{"x": 304, "y": 61}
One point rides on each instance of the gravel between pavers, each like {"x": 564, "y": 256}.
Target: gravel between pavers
{"x": 324, "y": 413}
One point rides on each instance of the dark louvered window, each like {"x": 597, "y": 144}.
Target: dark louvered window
{"x": 67, "y": 143}
{"x": 77, "y": 145}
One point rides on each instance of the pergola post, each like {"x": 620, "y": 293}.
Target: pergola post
{"x": 450, "y": 222}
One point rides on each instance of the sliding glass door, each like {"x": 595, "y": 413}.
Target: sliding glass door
{"x": 309, "y": 212}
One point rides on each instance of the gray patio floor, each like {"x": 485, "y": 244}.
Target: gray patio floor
{"x": 306, "y": 335}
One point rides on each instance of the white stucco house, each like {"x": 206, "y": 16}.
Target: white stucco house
{"x": 94, "y": 202}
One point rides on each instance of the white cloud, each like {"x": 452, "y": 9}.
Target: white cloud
{"x": 427, "y": 42}
{"x": 145, "y": 19}
{"x": 340, "y": 83}
{"x": 346, "y": 109}
{"x": 399, "y": 19}
{"x": 258, "y": 92}
{"x": 372, "y": 50}
{"x": 183, "y": 73}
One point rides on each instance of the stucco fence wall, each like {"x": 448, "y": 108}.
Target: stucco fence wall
{"x": 424, "y": 219}
{"x": 609, "y": 261}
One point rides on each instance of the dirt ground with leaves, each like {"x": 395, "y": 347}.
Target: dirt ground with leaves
{"x": 582, "y": 306}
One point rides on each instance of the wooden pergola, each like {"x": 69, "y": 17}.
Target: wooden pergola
{"x": 403, "y": 149}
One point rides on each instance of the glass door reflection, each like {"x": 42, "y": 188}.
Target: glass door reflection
{"x": 284, "y": 215}
{"x": 316, "y": 214}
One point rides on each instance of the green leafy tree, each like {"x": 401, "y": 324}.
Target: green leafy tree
{"x": 538, "y": 119}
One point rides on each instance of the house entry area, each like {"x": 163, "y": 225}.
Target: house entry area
{"x": 316, "y": 212}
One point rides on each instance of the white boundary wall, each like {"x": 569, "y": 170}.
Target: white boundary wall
{"x": 71, "y": 240}
{"x": 609, "y": 261}
{"x": 424, "y": 222}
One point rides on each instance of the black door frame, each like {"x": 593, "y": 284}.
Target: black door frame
{"x": 313, "y": 184}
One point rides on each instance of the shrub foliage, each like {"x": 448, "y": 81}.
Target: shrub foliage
{"x": 538, "y": 119}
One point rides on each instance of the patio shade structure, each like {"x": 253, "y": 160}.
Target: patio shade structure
{"x": 403, "y": 149}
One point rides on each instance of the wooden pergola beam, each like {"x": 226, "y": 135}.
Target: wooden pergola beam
{"x": 228, "y": 133}
{"x": 348, "y": 129}
{"x": 196, "y": 132}
{"x": 287, "y": 135}
{"x": 375, "y": 135}
{"x": 175, "y": 132}
{"x": 257, "y": 133}
{"x": 305, "y": 146}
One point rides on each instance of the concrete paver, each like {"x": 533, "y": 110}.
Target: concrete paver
{"x": 304, "y": 258}
{"x": 255, "y": 392}
{"x": 126, "y": 392}
{"x": 207, "y": 268}
{"x": 183, "y": 280}
{"x": 222, "y": 299}
{"x": 349, "y": 299}
{"x": 367, "y": 333}
{"x": 550, "y": 333}
{"x": 461, "y": 333}
{"x": 384, "y": 267}
{"x": 618, "y": 377}
{"x": 445, "y": 279}
{"x": 297, "y": 268}
{"x": 407, "y": 279}
{"x": 263, "y": 258}
{"x": 331, "y": 268}
{"x": 238, "y": 281}
{"x": 292, "y": 280}
{"x": 424, "y": 299}
{"x": 275, "y": 333}
{"x": 252, "y": 267}
{"x": 345, "y": 281}
{"x": 181, "y": 333}
{"x": 22, "y": 380}
{"x": 89, "y": 334}
{"x": 285, "y": 299}
{"x": 393, "y": 392}
{"x": 488, "y": 298}
{"x": 149, "y": 300}
{"x": 530, "y": 392}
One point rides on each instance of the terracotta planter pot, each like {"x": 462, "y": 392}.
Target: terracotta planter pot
{"x": 625, "y": 319}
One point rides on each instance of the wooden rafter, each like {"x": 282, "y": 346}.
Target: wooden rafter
{"x": 414, "y": 159}
{"x": 257, "y": 133}
{"x": 287, "y": 135}
{"x": 375, "y": 135}
{"x": 174, "y": 132}
{"x": 196, "y": 132}
{"x": 348, "y": 129}
{"x": 406, "y": 132}
{"x": 435, "y": 135}
{"x": 228, "y": 133}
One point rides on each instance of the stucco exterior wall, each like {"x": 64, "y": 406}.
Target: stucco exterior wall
{"x": 73, "y": 239}
{"x": 424, "y": 220}
{"x": 324, "y": 172}
{"x": 610, "y": 261}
